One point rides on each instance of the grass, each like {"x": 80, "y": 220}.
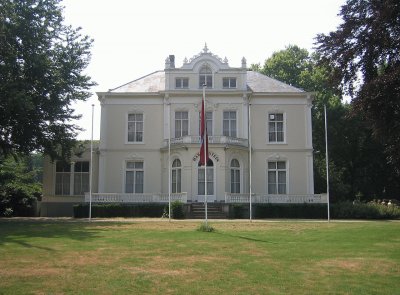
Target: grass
{"x": 157, "y": 257}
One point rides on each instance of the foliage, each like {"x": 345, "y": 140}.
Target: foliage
{"x": 204, "y": 227}
{"x": 41, "y": 73}
{"x": 118, "y": 210}
{"x": 364, "y": 53}
{"x": 305, "y": 211}
{"x": 19, "y": 189}
{"x": 177, "y": 210}
{"x": 371, "y": 210}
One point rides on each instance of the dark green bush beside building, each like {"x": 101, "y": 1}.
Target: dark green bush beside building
{"x": 119, "y": 210}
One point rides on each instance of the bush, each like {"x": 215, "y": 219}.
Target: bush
{"x": 206, "y": 228}
{"x": 290, "y": 211}
{"x": 372, "y": 210}
{"x": 119, "y": 210}
{"x": 239, "y": 211}
{"x": 177, "y": 210}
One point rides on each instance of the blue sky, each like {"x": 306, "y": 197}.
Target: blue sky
{"x": 133, "y": 38}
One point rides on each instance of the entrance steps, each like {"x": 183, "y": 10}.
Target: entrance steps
{"x": 214, "y": 211}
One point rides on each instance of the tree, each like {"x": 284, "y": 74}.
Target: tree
{"x": 364, "y": 53}
{"x": 41, "y": 65}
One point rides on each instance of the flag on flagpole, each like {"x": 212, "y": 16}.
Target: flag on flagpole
{"x": 203, "y": 136}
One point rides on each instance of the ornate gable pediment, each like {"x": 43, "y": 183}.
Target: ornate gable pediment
{"x": 207, "y": 56}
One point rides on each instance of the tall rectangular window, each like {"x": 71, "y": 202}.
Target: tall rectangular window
{"x": 201, "y": 180}
{"x": 229, "y": 82}
{"x": 135, "y": 128}
{"x": 209, "y": 122}
{"x": 229, "y": 124}
{"x": 276, "y": 127}
{"x": 73, "y": 181}
{"x": 277, "y": 177}
{"x": 181, "y": 124}
{"x": 182, "y": 83}
{"x": 63, "y": 178}
{"x": 134, "y": 177}
{"x": 81, "y": 178}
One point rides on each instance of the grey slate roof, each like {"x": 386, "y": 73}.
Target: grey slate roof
{"x": 155, "y": 82}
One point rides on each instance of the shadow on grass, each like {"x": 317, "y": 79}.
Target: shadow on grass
{"x": 244, "y": 238}
{"x": 23, "y": 232}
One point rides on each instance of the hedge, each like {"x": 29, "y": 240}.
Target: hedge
{"x": 119, "y": 210}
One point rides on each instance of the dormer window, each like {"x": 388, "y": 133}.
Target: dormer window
{"x": 229, "y": 82}
{"x": 182, "y": 83}
{"x": 206, "y": 77}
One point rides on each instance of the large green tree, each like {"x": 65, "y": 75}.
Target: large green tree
{"x": 364, "y": 52}
{"x": 41, "y": 73}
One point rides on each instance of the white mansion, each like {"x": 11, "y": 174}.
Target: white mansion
{"x": 150, "y": 143}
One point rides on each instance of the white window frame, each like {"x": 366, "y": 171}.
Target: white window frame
{"x": 127, "y": 141}
{"x": 177, "y": 170}
{"x": 230, "y": 81}
{"x": 181, "y": 83}
{"x": 135, "y": 170}
{"x": 208, "y": 74}
{"x": 229, "y": 120}
{"x": 274, "y": 113}
{"x": 181, "y": 120}
{"x": 277, "y": 170}
{"x": 71, "y": 183}
{"x": 235, "y": 170}
{"x": 210, "y": 171}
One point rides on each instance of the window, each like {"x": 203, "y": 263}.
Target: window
{"x": 81, "y": 178}
{"x": 134, "y": 177}
{"x": 277, "y": 177}
{"x": 63, "y": 178}
{"x": 72, "y": 179}
{"x": 229, "y": 82}
{"x": 209, "y": 116}
{"x": 205, "y": 76}
{"x": 210, "y": 179}
{"x": 181, "y": 124}
{"x": 275, "y": 128}
{"x": 176, "y": 176}
{"x": 182, "y": 83}
{"x": 235, "y": 176}
{"x": 229, "y": 124}
{"x": 135, "y": 128}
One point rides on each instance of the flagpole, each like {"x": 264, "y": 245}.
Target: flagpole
{"x": 91, "y": 169}
{"x": 205, "y": 152}
{"x": 327, "y": 163}
{"x": 250, "y": 164}
{"x": 169, "y": 163}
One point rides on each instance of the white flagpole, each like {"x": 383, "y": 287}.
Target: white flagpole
{"x": 91, "y": 169}
{"x": 205, "y": 152}
{"x": 169, "y": 163}
{"x": 327, "y": 163}
{"x": 250, "y": 165}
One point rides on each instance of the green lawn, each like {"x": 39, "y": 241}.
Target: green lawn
{"x": 157, "y": 257}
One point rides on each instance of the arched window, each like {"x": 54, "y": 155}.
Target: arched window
{"x": 210, "y": 179}
{"x": 206, "y": 76}
{"x": 235, "y": 176}
{"x": 176, "y": 176}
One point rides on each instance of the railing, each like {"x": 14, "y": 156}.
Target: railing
{"x": 276, "y": 199}
{"x": 211, "y": 139}
{"x": 135, "y": 198}
{"x": 62, "y": 199}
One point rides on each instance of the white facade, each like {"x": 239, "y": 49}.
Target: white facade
{"x": 140, "y": 117}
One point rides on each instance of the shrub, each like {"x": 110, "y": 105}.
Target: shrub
{"x": 290, "y": 211}
{"x": 205, "y": 228}
{"x": 119, "y": 210}
{"x": 372, "y": 210}
{"x": 177, "y": 210}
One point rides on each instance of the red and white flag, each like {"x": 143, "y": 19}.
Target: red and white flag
{"x": 203, "y": 136}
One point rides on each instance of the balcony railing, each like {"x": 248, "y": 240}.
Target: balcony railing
{"x": 135, "y": 198}
{"x": 211, "y": 140}
{"x": 276, "y": 199}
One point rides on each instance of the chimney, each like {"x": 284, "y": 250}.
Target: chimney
{"x": 172, "y": 61}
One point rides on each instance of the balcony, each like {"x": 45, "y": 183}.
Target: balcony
{"x": 224, "y": 140}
